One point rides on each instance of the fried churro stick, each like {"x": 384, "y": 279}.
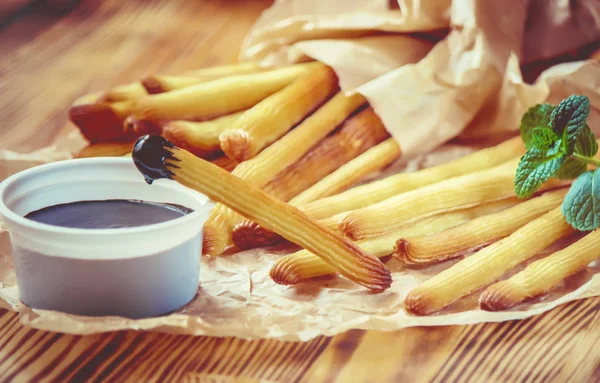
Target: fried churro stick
{"x": 112, "y": 149}
{"x": 374, "y": 159}
{"x": 357, "y": 134}
{"x": 302, "y": 265}
{"x": 271, "y": 118}
{"x": 452, "y": 194}
{"x": 276, "y": 157}
{"x": 330, "y": 210}
{"x": 216, "y": 98}
{"x": 487, "y": 265}
{"x": 156, "y": 158}
{"x": 369, "y": 194}
{"x": 200, "y": 138}
{"x": 543, "y": 275}
{"x": 102, "y": 122}
{"x": 475, "y": 234}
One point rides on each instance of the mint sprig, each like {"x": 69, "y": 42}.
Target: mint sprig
{"x": 560, "y": 144}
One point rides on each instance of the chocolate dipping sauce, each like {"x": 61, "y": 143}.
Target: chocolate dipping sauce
{"x": 108, "y": 214}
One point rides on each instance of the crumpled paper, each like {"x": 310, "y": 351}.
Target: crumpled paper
{"x": 468, "y": 85}
{"x": 427, "y": 103}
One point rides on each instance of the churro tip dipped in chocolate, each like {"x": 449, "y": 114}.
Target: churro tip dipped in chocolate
{"x": 150, "y": 155}
{"x": 156, "y": 157}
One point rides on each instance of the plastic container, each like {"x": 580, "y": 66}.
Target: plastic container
{"x": 133, "y": 272}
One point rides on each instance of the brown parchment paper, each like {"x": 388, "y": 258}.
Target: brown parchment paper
{"x": 468, "y": 84}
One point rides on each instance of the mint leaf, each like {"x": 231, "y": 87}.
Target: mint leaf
{"x": 581, "y": 205}
{"x": 586, "y": 143}
{"x": 571, "y": 169}
{"x": 543, "y": 138}
{"x": 536, "y": 167}
{"x": 568, "y": 119}
{"x": 537, "y": 116}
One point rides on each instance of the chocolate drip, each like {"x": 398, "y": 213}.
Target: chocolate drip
{"x": 150, "y": 155}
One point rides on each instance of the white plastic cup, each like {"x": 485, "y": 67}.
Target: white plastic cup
{"x": 135, "y": 272}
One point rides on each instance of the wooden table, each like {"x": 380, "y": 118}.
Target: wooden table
{"x": 54, "y": 51}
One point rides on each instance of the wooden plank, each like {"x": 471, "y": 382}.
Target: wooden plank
{"x": 544, "y": 348}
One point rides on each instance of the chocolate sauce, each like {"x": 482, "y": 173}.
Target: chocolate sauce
{"x": 108, "y": 214}
{"x": 150, "y": 155}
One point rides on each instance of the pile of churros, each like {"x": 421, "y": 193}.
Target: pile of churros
{"x": 283, "y": 152}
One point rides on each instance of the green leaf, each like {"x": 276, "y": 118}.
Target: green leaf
{"x": 586, "y": 144}
{"x": 536, "y": 167}
{"x": 571, "y": 169}
{"x": 537, "y": 116}
{"x": 543, "y": 138}
{"x": 568, "y": 119}
{"x": 581, "y": 205}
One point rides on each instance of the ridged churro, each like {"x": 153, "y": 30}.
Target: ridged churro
{"x": 156, "y": 158}
{"x": 271, "y": 118}
{"x": 302, "y": 265}
{"x": 105, "y": 122}
{"x": 543, "y": 275}
{"x": 488, "y": 264}
{"x": 452, "y": 194}
{"x": 371, "y": 193}
{"x": 475, "y": 234}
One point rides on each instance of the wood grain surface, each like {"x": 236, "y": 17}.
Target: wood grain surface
{"x": 54, "y": 51}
